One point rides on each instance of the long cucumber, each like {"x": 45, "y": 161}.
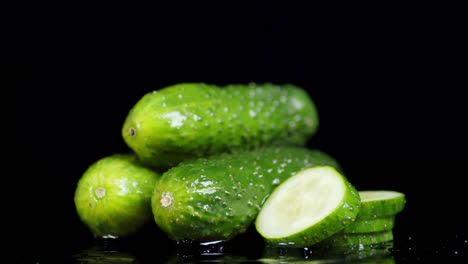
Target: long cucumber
{"x": 188, "y": 120}
{"x": 219, "y": 197}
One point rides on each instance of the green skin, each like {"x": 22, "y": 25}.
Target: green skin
{"x": 370, "y": 225}
{"x": 354, "y": 240}
{"x": 113, "y": 196}
{"x": 382, "y": 208}
{"x": 218, "y": 197}
{"x": 189, "y": 120}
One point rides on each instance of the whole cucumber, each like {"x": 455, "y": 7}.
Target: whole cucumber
{"x": 217, "y": 197}
{"x": 189, "y": 120}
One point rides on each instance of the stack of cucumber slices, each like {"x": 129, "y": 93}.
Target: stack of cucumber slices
{"x": 318, "y": 207}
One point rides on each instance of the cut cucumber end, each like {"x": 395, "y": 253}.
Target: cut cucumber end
{"x": 308, "y": 207}
{"x": 380, "y": 203}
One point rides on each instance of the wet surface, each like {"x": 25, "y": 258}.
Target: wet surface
{"x": 248, "y": 248}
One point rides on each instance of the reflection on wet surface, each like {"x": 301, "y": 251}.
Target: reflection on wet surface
{"x": 187, "y": 252}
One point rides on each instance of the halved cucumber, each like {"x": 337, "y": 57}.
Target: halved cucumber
{"x": 357, "y": 240}
{"x": 380, "y": 203}
{"x": 308, "y": 207}
{"x": 370, "y": 225}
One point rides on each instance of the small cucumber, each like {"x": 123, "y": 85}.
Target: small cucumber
{"x": 187, "y": 120}
{"x": 357, "y": 240}
{"x": 308, "y": 207}
{"x": 370, "y": 225}
{"x": 380, "y": 203}
{"x": 113, "y": 196}
{"x": 218, "y": 197}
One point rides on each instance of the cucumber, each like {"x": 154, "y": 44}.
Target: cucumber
{"x": 113, "y": 196}
{"x": 308, "y": 207}
{"x": 357, "y": 240}
{"x": 380, "y": 203}
{"x": 217, "y": 197}
{"x": 187, "y": 120}
{"x": 370, "y": 225}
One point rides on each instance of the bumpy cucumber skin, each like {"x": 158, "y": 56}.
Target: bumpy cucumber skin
{"x": 356, "y": 240}
{"x": 113, "y": 196}
{"x": 370, "y": 225}
{"x": 382, "y": 208}
{"x": 346, "y": 214}
{"x": 187, "y": 120}
{"x": 218, "y": 197}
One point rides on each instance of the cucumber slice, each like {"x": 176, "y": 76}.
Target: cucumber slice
{"x": 308, "y": 207}
{"x": 357, "y": 240}
{"x": 370, "y": 225}
{"x": 380, "y": 203}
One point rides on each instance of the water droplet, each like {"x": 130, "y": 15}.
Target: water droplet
{"x": 276, "y": 181}
{"x": 249, "y": 203}
{"x": 239, "y": 196}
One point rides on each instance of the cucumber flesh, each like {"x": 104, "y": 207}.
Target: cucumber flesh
{"x": 308, "y": 207}
{"x": 380, "y": 203}
{"x": 370, "y": 225}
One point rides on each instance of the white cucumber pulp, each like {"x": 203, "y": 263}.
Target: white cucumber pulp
{"x": 308, "y": 207}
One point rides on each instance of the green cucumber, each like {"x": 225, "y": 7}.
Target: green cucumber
{"x": 218, "y": 197}
{"x": 308, "y": 207}
{"x": 113, "y": 196}
{"x": 380, "y": 203}
{"x": 357, "y": 240}
{"x": 187, "y": 120}
{"x": 370, "y": 225}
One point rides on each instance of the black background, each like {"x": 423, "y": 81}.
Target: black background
{"x": 386, "y": 77}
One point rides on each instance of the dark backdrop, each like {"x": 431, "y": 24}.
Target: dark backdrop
{"x": 386, "y": 78}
